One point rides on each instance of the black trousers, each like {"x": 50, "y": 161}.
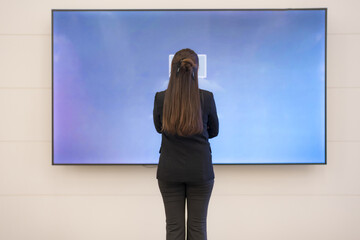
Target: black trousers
{"x": 197, "y": 195}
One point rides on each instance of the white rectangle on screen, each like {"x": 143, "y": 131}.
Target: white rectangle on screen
{"x": 202, "y": 65}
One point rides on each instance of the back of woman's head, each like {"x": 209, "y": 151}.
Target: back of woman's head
{"x": 182, "y": 107}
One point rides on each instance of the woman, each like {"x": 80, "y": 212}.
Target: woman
{"x": 186, "y": 117}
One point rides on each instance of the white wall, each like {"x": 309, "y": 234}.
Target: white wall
{"x": 40, "y": 201}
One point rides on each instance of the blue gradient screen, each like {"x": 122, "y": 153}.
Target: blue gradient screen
{"x": 266, "y": 69}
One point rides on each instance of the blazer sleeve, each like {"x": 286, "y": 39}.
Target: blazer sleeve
{"x": 156, "y": 115}
{"x": 213, "y": 121}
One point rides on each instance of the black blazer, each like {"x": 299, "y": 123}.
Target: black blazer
{"x": 187, "y": 159}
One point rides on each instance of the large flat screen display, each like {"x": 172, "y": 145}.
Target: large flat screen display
{"x": 265, "y": 67}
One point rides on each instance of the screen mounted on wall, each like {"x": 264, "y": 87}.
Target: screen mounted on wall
{"x": 265, "y": 67}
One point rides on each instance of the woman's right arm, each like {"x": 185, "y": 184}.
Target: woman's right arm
{"x": 213, "y": 121}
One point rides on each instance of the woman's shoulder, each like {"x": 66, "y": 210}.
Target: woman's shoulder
{"x": 206, "y": 92}
{"x": 206, "y": 95}
{"x": 161, "y": 94}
